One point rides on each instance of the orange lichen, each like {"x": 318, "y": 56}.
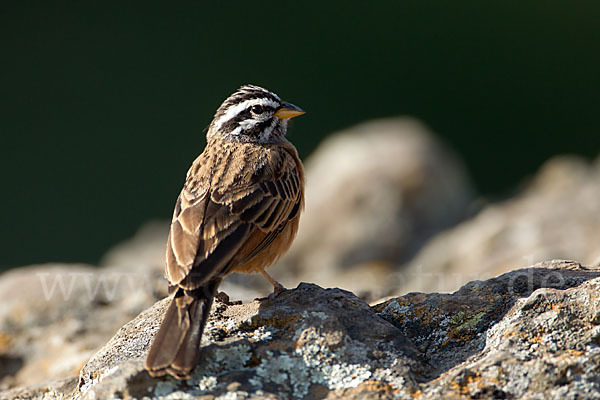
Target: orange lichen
{"x": 5, "y": 341}
{"x": 463, "y": 385}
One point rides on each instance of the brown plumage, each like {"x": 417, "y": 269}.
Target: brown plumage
{"x": 238, "y": 212}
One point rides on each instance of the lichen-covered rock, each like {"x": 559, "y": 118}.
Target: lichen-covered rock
{"x": 54, "y": 317}
{"x": 60, "y": 389}
{"x": 532, "y": 333}
{"x": 449, "y": 328}
{"x": 317, "y": 343}
{"x": 545, "y": 347}
{"x": 307, "y": 342}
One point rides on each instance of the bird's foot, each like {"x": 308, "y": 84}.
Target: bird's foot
{"x": 278, "y": 288}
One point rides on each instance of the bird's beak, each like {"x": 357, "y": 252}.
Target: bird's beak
{"x": 288, "y": 110}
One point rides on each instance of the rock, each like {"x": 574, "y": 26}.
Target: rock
{"x": 375, "y": 193}
{"x": 307, "y": 342}
{"x": 145, "y": 251}
{"x": 556, "y": 216}
{"x": 532, "y": 333}
{"x": 59, "y": 389}
{"x": 54, "y": 317}
{"x": 546, "y": 345}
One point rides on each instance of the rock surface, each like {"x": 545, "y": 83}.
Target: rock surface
{"x": 556, "y": 216}
{"x": 306, "y": 341}
{"x": 532, "y": 333}
{"x": 54, "y": 317}
{"x": 375, "y": 193}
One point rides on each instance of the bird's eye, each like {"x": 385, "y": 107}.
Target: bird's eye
{"x": 257, "y": 109}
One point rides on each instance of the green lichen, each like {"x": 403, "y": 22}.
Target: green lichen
{"x": 465, "y": 323}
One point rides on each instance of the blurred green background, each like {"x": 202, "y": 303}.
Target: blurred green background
{"x": 104, "y": 105}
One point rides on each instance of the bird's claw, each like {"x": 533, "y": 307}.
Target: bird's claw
{"x": 277, "y": 290}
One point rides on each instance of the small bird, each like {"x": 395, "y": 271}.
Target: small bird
{"x": 238, "y": 211}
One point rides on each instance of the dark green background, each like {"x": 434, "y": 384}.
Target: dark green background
{"x": 104, "y": 104}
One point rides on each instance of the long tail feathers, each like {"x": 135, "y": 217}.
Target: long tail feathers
{"x": 176, "y": 345}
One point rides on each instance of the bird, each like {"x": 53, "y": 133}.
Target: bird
{"x": 238, "y": 211}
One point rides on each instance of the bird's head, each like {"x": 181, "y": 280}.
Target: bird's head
{"x": 252, "y": 114}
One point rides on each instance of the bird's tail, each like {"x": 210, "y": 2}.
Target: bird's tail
{"x": 177, "y": 343}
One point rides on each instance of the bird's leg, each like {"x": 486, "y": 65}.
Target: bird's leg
{"x": 278, "y": 288}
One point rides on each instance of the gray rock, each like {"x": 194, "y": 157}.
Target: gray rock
{"x": 556, "y": 216}
{"x": 311, "y": 342}
{"x": 54, "y": 317}
{"x": 544, "y": 347}
{"x": 56, "y": 390}
{"x": 306, "y": 342}
{"x": 145, "y": 251}
{"x": 531, "y": 333}
{"x": 375, "y": 193}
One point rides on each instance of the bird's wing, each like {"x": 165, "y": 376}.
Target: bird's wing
{"x": 214, "y": 223}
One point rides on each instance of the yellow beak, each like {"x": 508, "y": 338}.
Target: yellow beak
{"x": 288, "y": 110}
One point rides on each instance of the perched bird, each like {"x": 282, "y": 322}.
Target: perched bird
{"x": 238, "y": 212}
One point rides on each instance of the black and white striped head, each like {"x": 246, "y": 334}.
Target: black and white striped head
{"x": 252, "y": 114}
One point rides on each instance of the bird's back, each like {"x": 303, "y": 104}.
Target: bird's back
{"x": 247, "y": 194}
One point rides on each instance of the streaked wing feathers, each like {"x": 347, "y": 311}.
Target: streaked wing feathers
{"x": 212, "y": 222}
